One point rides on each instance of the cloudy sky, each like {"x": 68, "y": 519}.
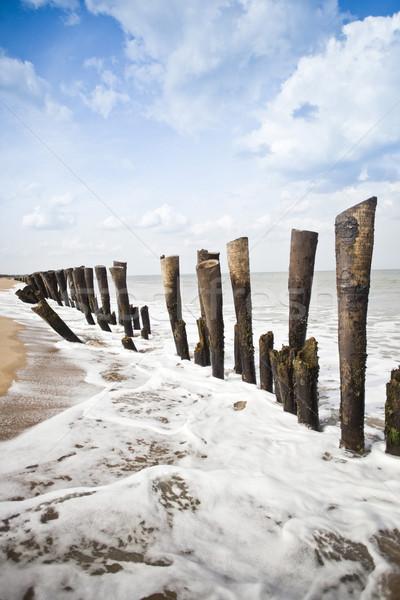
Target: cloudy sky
{"x": 134, "y": 128}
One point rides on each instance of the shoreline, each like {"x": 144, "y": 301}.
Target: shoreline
{"x": 13, "y": 355}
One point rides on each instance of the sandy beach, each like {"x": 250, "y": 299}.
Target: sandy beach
{"x": 12, "y": 349}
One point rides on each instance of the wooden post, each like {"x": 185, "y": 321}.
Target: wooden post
{"x": 202, "y": 350}
{"x": 170, "y": 277}
{"x": 62, "y": 284}
{"x": 204, "y": 342}
{"x": 266, "y": 345}
{"x": 124, "y": 265}
{"x": 144, "y": 312}
{"x": 306, "y": 370}
{"x": 392, "y": 414}
{"x": 209, "y": 277}
{"x": 119, "y": 278}
{"x": 51, "y": 317}
{"x": 50, "y": 280}
{"x": 286, "y": 379}
{"x": 102, "y": 320}
{"x": 236, "y": 351}
{"x": 70, "y": 279}
{"x": 80, "y": 286}
{"x": 135, "y": 317}
{"x": 90, "y": 289}
{"x": 181, "y": 339}
{"x": 354, "y": 244}
{"x": 273, "y": 356}
{"x": 128, "y": 343}
{"x": 102, "y": 281}
{"x": 239, "y": 269}
{"x": 301, "y": 271}
{"x": 27, "y": 295}
{"x": 40, "y": 285}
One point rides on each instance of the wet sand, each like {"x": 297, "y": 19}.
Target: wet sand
{"x": 46, "y": 383}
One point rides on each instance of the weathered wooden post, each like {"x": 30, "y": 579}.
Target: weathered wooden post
{"x": 266, "y": 344}
{"x": 303, "y": 247}
{"x": 181, "y": 339}
{"x": 354, "y": 244}
{"x": 286, "y": 379}
{"x": 102, "y": 320}
{"x": 146, "y": 330}
{"x": 30, "y": 280}
{"x": 55, "y": 321}
{"x": 239, "y": 269}
{"x": 170, "y": 277}
{"x": 90, "y": 289}
{"x": 124, "y": 265}
{"x": 392, "y": 414}
{"x": 118, "y": 274}
{"x": 135, "y": 317}
{"x": 70, "y": 280}
{"x": 273, "y": 356}
{"x": 306, "y": 369}
{"x": 128, "y": 343}
{"x": 40, "y": 285}
{"x": 209, "y": 277}
{"x": 62, "y": 284}
{"x": 27, "y": 295}
{"x": 202, "y": 350}
{"x": 80, "y": 287}
{"x": 236, "y": 351}
{"x": 102, "y": 281}
{"x": 50, "y": 280}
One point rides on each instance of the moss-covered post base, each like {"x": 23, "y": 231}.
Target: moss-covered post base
{"x": 239, "y": 269}
{"x": 392, "y": 414}
{"x": 306, "y": 370}
{"x": 354, "y": 240}
{"x": 54, "y": 320}
{"x": 209, "y": 279}
{"x": 286, "y": 379}
{"x": 266, "y": 344}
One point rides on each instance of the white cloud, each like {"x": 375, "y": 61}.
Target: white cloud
{"x": 47, "y": 219}
{"x": 204, "y": 56}
{"x": 66, "y": 4}
{"x": 62, "y": 200}
{"x": 348, "y": 88}
{"x": 163, "y": 219}
{"x": 103, "y": 100}
{"x": 112, "y": 223}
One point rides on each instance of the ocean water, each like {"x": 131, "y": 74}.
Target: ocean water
{"x": 156, "y": 484}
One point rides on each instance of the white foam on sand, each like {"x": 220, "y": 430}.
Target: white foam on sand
{"x": 157, "y": 484}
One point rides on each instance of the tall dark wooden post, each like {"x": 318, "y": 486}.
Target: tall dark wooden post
{"x": 144, "y": 312}
{"x": 170, "y": 277}
{"x": 392, "y": 414}
{"x": 102, "y": 281}
{"x": 301, "y": 271}
{"x": 62, "y": 284}
{"x": 354, "y": 244}
{"x": 239, "y": 269}
{"x": 266, "y": 345}
{"x": 124, "y": 265}
{"x": 39, "y": 282}
{"x": 286, "y": 379}
{"x": 306, "y": 369}
{"x": 50, "y": 280}
{"x": 80, "y": 287}
{"x": 90, "y": 289}
{"x": 119, "y": 278}
{"x": 70, "y": 279}
{"x": 209, "y": 278}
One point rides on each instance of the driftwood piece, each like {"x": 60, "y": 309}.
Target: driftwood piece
{"x": 181, "y": 340}
{"x": 239, "y": 269}
{"x": 392, "y": 414}
{"x": 306, "y": 370}
{"x": 354, "y": 242}
{"x": 118, "y": 274}
{"x": 44, "y": 310}
{"x": 303, "y": 247}
{"x": 128, "y": 343}
{"x": 209, "y": 277}
{"x": 266, "y": 344}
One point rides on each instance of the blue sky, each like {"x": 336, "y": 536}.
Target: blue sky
{"x": 132, "y": 129}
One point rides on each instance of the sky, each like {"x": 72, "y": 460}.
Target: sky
{"x": 132, "y": 129}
